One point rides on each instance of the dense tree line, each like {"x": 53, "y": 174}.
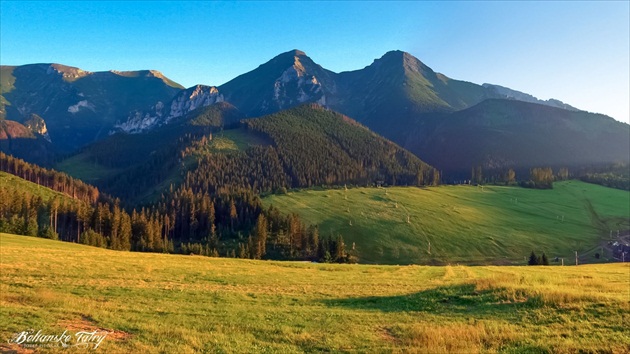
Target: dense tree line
{"x": 54, "y": 180}
{"x": 613, "y": 176}
{"x": 540, "y": 178}
{"x": 607, "y": 180}
{"x": 60, "y": 217}
{"x": 479, "y": 175}
{"x": 212, "y": 206}
{"x": 216, "y": 210}
{"x": 538, "y": 260}
{"x": 201, "y": 216}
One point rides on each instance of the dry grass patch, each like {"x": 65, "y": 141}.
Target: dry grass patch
{"x": 457, "y": 337}
{"x": 86, "y": 324}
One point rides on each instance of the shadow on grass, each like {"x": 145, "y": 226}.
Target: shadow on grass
{"x": 455, "y": 299}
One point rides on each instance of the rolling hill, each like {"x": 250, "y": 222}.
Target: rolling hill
{"x": 154, "y": 303}
{"x": 318, "y": 146}
{"x": 465, "y": 224}
{"x": 499, "y": 134}
{"x": 118, "y": 153}
{"x": 15, "y": 185}
{"x": 309, "y": 145}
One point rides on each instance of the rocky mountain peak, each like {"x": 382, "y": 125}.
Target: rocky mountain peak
{"x": 67, "y": 72}
{"x": 162, "y": 113}
{"x": 38, "y": 126}
{"x": 297, "y": 53}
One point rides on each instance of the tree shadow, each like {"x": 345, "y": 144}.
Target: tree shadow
{"x": 456, "y": 300}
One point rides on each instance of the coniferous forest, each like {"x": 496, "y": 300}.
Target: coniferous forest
{"x": 212, "y": 205}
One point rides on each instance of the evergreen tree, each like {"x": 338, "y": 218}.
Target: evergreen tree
{"x": 314, "y": 240}
{"x": 533, "y": 260}
{"x": 544, "y": 259}
{"x": 260, "y": 241}
{"x": 241, "y": 251}
{"x": 340, "y": 250}
{"x": 233, "y": 214}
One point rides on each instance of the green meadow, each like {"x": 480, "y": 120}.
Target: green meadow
{"x": 18, "y": 185}
{"x": 466, "y": 224}
{"x": 158, "y": 303}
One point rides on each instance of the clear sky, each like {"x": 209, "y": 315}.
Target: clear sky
{"x": 577, "y": 52}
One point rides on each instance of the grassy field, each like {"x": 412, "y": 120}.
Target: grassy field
{"x": 465, "y": 223}
{"x": 17, "y": 185}
{"x": 82, "y": 167}
{"x": 181, "y": 304}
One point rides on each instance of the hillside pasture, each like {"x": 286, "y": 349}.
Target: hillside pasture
{"x": 465, "y": 224}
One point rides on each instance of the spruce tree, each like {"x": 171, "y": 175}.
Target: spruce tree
{"x": 544, "y": 260}
{"x": 533, "y": 260}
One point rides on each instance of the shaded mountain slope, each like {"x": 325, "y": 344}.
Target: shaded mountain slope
{"x": 78, "y": 106}
{"x": 320, "y": 146}
{"x": 27, "y": 141}
{"x": 507, "y": 133}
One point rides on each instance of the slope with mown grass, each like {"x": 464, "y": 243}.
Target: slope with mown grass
{"x": 14, "y": 185}
{"x": 468, "y": 224}
{"x": 154, "y": 303}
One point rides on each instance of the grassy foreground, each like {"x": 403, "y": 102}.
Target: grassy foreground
{"x": 183, "y": 304}
{"x": 499, "y": 225}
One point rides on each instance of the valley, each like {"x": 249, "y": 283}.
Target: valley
{"x": 418, "y": 177}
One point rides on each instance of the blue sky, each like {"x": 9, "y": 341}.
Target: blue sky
{"x": 578, "y": 52}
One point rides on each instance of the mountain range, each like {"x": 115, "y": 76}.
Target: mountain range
{"x": 451, "y": 124}
{"x": 77, "y": 106}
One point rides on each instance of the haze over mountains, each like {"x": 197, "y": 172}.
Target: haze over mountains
{"x": 451, "y": 124}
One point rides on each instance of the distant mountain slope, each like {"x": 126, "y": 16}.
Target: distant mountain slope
{"x": 399, "y": 75}
{"x": 13, "y": 130}
{"x": 386, "y": 96}
{"x": 397, "y": 96}
{"x": 29, "y": 142}
{"x": 162, "y": 113}
{"x": 391, "y": 93}
{"x": 392, "y": 96}
{"x": 78, "y": 106}
{"x": 116, "y": 154}
{"x": 288, "y": 80}
{"x": 508, "y": 133}
{"x": 318, "y": 146}
{"x": 521, "y": 96}
{"x": 301, "y": 147}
